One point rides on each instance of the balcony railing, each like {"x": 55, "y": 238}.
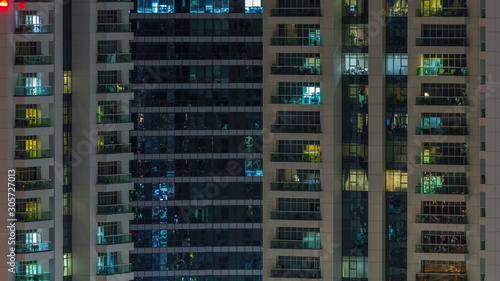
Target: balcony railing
{"x": 114, "y": 0}
{"x": 442, "y": 130}
{"x": 296, "y": 128}
{"x": 442, "y": 12}
{"x": 316, "y": 99}
{"x": 296, "y": 70}
{"x": 114, "y": 58}
{"x": 33, "y": 28}
{"x": 113, "y": 88}
{"x": 113, "y": 118}
{"x": 33, "y": 185}
{"x": 296, "y": 273}
{"x": 441, "y": 160}
{"x": 444, "y": 219}
{"x": 113, "y": 148}
{"x": 442, "y": 101}
{"x": 32, "y": 277}
{"x": 442, "y": 71}
{"x": 295, "y": 215}
{"x": 33, "y": 60}
{"x": 114, "y": 269}
{"x": 32, "y": 91}
{"x": 442, "y": 41}
{"x": 114, "y": 179}
{"x": 114, "y": 27}
{"x": 443, "y": 189}
{"x": 288, "y": 244}
{"x": 441, "y": 276}
{"x": 296, "y": 186}
{"x": 295, "y": 157}
{"x": 114, "y": 209}
{"x": 442, "y": 248}
{"x": 296, "y": 12}
{"x": 33, "y": 122}
{"x": 114, "y": 239}
{"x": 33, "y": 247}
{"x": 295, "y": 41}
{"x": 34, "y": 216}
{"x": 33, "y": 153}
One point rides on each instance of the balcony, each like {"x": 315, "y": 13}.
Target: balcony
{"x": 113, "y": 118}
{"x": 32, "y": 91}
{"x": 296, "y": 186}
{"x": 114, "y": 239}
{"x": 442, "y": 41}
{"x": 288, "y": 244}
{"x": 313, "y": 99}
{"x": 33, "y": 185}
{"x": 296, "y": 128}
{"x": 113, "y": 88}
{"x": 33, "y": 60}
{"x": 114, "y": 27}
{"x": 442, "y": 12}
{"x": 295, "y": 157}
{"x": 296, "y": 273}
{"x": 441, "y": 160}
{"x": 33, "y": 216}
{"x": 295, "y": 41}
{"x": 296, "y": 70}
{"x": 33, "y": 122}
{"x": 442, "y": 101}
{"x": 296, "y": 12}
{"x": 32, "y": 277}
{"x": 442, "y": 71}
{"x": 442, "y": 248}
{"x": 114, "y": 269}
{"x": 442, "y": 130}
{"x": 441, "y": 276}
{"x": 444, "y": 219}
{"x": 114, "y": 58}
{"x": 33, "y": 247}
{"x": 114, "y": 209}
{"x": 113, "y": 148}
{"x": 33, "y": 28}
{"x": 114, "y": 0}
{"x": 33, "y": 153}
{"x": 295, "y": 215}
{"x": 442, "y": 189}
{"x": 113, "y": 179}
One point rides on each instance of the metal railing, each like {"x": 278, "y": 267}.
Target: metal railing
{"x": 33, "y": 247}
{"x": 114, "y": 239}
{"x": 114, "y": 27}
{"x": 296, "y": 186}
{"x": 33, "y": 28}
{"x": 33, "y": 122}
{"x": 113, "y": 88}
{"x": 295, "y": 215}
{"x": 33, "y": 153}
{"x": 114, "y": 269}
{"x": 33, "y": 185}
{"x": 33, "y": 60}
{"x": 113, "y": 148}
{"x": 290, "y": 244}
{"x": 114, "y": 209}
{"x": 444, "y": 219}
{"x": 34, "y": 216}
{"x": 114, "y": 179}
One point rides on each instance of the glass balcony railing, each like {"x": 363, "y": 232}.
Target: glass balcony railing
{"x": 114, "y": 239}
{"x": 113, "y": 118}
{"x": 33, "y": 28}
{"x": 442, "y": 130}
{"x": 32, "y": 91}
{"x": 442, "y": 12}
{"x": 296, "y": 12}
{"x": 113, "y": 88}
{"x": 114, "y": 0}
{"x": 114, "y": 27}
{"x": 113, "y": 148}
{"x": 114, "y": 179}
{"x": 33, "y": 122}
{"x": 316, "y": 99}
{"x": 295, "y": 157}
{"x": 289, "y": 244}
{"x": 295, "y": 215}
{"x": 296, "y": 70}
{"x": 295, "y": 41}
{"x": 445, "y": 219}
{"x": 114, "y": 58}
{"x": 33, "y": 60}
{"x": 442, "y": 101}
{"x": 45, "y": 276}
{"x": 34, "y": 216}
{"x": 442, "y": 189}
{"x": 33, "y": 185}
{"x": 442, "y": 71}
{"x": 114, "y": 269}
{"x": 441, "y": 276}
{"x": 296, "y": 186}
{"x": 33, "y": 153}
{"x": 441, "y": 160}
{"x": 296, "y": 273}
{"x": 442, "y": 41}
{"x": 442, "y": 248}
{"x": 296, "y": 128}
{"x": 113, "y": 209}
{"x": 33, "y": 247}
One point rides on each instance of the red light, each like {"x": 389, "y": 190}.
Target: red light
{"x": 4, "y": 3}
{"x": 22, "y": 5}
